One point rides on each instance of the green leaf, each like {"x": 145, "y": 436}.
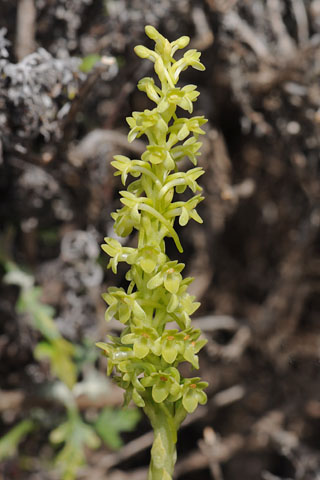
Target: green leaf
{"x": 76, "y": 436}
{"x": 10, "y": 441}
{"x": 60, "y": 354}
{"x": 111, "y": 423}
{"x": 41, "y": 315}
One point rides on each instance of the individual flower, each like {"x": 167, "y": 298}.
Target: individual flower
{"x": 115, "y": 352}
{"x": 122, "y": 305}
{"x": 180, "y": 43}
{"x": 191, "y": 346}
{"x": 123, "y": 222}
{"x": 193, "y": 393}
{"x": 190, "y": 58}
{"x": 185, "y": 210}
{"x": 142, "y": 339}
{"x": 165, "y": 385}
{"x": 148, "y": 258}
{"x": 187, "y": 307}
{"x": 156, "y": 155}
{"x": 148, "y": 86}
{"x": 169, "y": 276}
{"x": 131, "y": 392}
{"x": 190, "y": 148}
{"x": 183, "y": 97}
{"x": 182, "y": 127}
{"x": 179, "y": 345}
{"x": 169, "y": 345}
{"x": 116, "y": 251}
{"x": 163, "y": 46}
{"x": 182, "y": 180}
{"x": 141, "y": 122}
{"x": 123, "y": 165}
{"x": 135, "y": 168}
{"x": 133, "y": 374}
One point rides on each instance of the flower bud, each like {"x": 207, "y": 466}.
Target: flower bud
{"x": 152, "y": 32}
{"x": 142, "y": 52}
{"x": 182, "y": 42}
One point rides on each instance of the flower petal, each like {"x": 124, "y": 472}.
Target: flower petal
{"x": 173, "y": 304}
{"x": 155, "y": 281}
{"x": 172, "y": 282}
{"x": 160, "y": 392}
{"x": 140, "y": 349}
{"x": 148, "y": 264}
{"x": 169, "y": 352}
{"x": 190, "y": 401}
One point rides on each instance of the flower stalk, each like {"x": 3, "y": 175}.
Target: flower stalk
{"x": 144, "y": 360}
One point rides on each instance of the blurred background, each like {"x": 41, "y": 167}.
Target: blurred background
{"x": 68, "y": 79}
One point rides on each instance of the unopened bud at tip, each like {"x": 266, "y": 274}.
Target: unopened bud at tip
{"x": 142, "y": 51}
{"x": 152, "y": 32}
{"x": 182, "y": 42}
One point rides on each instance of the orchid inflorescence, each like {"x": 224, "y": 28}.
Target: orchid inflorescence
{"x": 146, "y": 356}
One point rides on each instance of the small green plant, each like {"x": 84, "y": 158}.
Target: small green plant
{"x": 53, "y": 347}
{"x": 73, "y": 436}
{"x": 146, "y": 357}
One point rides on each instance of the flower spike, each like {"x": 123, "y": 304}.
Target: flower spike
{"x": 146, "y": 357}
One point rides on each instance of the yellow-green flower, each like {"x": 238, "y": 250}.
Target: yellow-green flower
{"x": 149, "y": 258}
{"x": 193, "y": 393}
{"x": 169, "y": 345}
{"x": 142, "y": 339}
{"x": 169, "y": 276}
{"x": 165, "y": 384}
{"x": 122, "y": 305}
{"x": 192, "y": 346}
{"x": 115, "y": 353}
{"x": 117, "y": 252}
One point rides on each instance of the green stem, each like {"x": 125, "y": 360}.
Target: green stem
{"x": 163, "y": 452}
